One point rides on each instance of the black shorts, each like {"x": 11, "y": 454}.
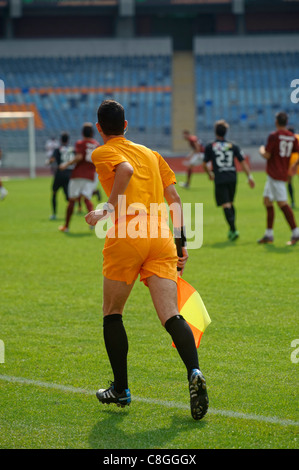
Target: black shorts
{"x": 225, "y": 192}
{"x": 61, "y": 180}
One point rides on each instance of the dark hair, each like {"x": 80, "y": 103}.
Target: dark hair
{"x": 64, "y": 137}
{"x": 221, "y": 128}
{"x": 111, "y": 117}
{"x": 87, "y": 130}
{"x": 282, "y": 118}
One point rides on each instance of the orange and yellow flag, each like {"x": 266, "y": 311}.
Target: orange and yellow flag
{"x": 192, "y": 308}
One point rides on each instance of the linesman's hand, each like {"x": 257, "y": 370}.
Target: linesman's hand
{"x": 94, "y": 216}
{"x": 182, "y": 261}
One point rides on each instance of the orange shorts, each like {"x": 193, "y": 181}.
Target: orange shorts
{"x": 146, "y": 254}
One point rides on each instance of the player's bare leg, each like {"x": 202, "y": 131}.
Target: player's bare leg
{"x": 164, "y": 296}
{"x": 289, "y": 216}
{"x": 268, "y": 236}
{"x": 115, "y": 295}
{"x": 69, "y": 213}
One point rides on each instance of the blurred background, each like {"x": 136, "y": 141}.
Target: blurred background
{"x": 173, "y": 64}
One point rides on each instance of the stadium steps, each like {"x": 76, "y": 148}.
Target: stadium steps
{"x": 183, "y": 86}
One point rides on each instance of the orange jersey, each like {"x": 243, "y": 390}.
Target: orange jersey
{"x": 151, "y": 173}
{"x": 126, "y": 257}
{"x": 295, "y": 156}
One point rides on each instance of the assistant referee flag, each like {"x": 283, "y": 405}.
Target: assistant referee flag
{"x": 192, "y": 308}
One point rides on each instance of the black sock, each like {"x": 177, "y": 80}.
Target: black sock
{"x": 116, "y": 343}
{"x": 54, "y": 203}
{"x": 183, "y": 339}
{"x": 291, "y": 192}
{"x": 229, "y": 213}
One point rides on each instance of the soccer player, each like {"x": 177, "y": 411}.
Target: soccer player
{"x": 280, "y": 145}
{"x": 3, "y": 191}
{"x": 293, "y": 160}
{"x": 139, "y": 175}
{"x": 63, "y": 154}
{"x": 50, "y": 145}
{"x": 221, "y": 153}
{"x": 82, "y": 177}
{"x": 194, "y": 158}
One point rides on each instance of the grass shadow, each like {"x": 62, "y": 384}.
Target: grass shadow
{"x": 279, "y": 249}
{"x": 79, "y": 234}
{"x": 111, "y": 432}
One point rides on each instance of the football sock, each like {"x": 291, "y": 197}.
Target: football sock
{"x": 230, "y": 217}
{"x": 291, "y": 192}
{"x": 289, "y": 215}
{"x": 270, "y": 216}
{"x": 88, "y": 204}
{"x": 189, "y": 174}
{"x": 54, "y": 203}
{"x": 69, "y": 212}
{"x": 117, "y": 347}
{"x": 183, "y": 339}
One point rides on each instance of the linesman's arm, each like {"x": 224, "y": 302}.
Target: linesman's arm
{"x": 176, "y": 211}
{"x": 123, "y": 174}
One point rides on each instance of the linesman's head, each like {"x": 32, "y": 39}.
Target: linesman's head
{"x": 111, "y": 118}
{"x": 221, "y": 127}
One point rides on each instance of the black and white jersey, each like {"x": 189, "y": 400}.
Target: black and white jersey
{"x": 64, "y": 154}
{"x": 222, "y": 154}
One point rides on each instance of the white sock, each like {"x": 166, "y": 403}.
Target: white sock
{"x": 295, "y": 232}
{"x": 269, "y": 232}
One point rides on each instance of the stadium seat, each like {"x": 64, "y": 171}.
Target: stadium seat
{"x": 67, "y": 92}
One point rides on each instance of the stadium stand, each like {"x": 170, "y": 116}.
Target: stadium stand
{"x": 245, "y": 82}
{"x": 67, "y": 87}
{"x": 241, "y": 81}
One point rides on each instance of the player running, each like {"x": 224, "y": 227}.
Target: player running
{"x": 279, "y": 148}
{"x": 82, "y": 177}
{"x": 194, "y": 158}
{"x": 221, "y": 153}
{"x": 142, "y": 176}
{"x": 63, "y": 154}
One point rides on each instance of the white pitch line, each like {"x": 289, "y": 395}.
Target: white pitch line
{"x": 152, "y": 401}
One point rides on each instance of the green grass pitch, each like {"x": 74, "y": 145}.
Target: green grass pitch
{"x": 51, "y": 326}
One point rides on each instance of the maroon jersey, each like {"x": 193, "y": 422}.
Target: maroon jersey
{"x": 193, "y": 140}
{"x": 281, "y": 144}
{"x": 85, "y": 168}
